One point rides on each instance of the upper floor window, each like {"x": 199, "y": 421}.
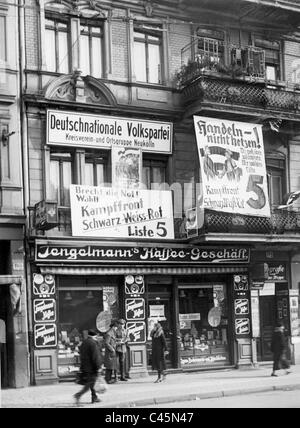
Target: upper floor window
{"x": 154, "y": 173}
{"x": 276, "y": 178}
{"x": 95, "y": 169}
{"x": 91, "y": 49}
{"x": 61, "y": 176}
{"x": 2, "y": 38}
{"x": 148, "y": 55}
{"x": 271, "y": 58}
{"x": 57, "y": 46}
{"x": 210, "y": 47}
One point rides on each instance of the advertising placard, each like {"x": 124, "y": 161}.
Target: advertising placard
{"x": 135, "y": 309}
{"x": 44, "y": 310}
{"x": 126, "y": 167}
{"x": 233, "y": 166}
{"x": 104, "y": 132}
{"x": 121, "y": 213}
{"x": 136, "y": 331}
{"x": 45, "y": 335}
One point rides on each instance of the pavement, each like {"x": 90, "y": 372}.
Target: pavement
{"x": 142, "y": 392}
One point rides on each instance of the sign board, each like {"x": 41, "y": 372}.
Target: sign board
{"x": 157, "y": 311}
{"x": 103, "y": 321}
{"x": 241, "y": 306}
{"x": 268, "y": 290}
{"x": 233, "y": 166}
{"x": 214, "y": 317}
{"x": 255, "y": 315}
{"x": 45, "y": 335}
{"x": 99, "y": 254}
{"x": 136, "y": 331}
{"x": 189, "y": 317}
{"x": 43, "y": 285}
{"x": 135, "y": 309}
{"x": 242, "y": 326}
{"x": 121, "y": 213}
{"x": 44, "y": 310}
{"x": 104, "y": 132}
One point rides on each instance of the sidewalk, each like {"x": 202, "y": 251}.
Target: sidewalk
{"x": 143, "y": 392}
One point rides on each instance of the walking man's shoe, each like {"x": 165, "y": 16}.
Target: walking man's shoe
{"x": 273, "y": 374}
{"x": 96, "y": 400}
{"x": 76, "y": 398}
{"x": 124, "y": 379}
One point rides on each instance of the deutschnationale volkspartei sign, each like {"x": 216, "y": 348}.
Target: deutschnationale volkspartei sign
{"x": 104, "y": 132}
{"x": 233, "y": 166}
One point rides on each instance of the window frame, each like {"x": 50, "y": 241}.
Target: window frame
{"x": 4, "y": 59}
{"x": 90, "y": 23}
{"x": 59, "y": 20}
{"x": 94, "y": 160}
{"x": 153, "y": 162}
{"x": 276, "y": 167}
{"x": 59, "y": 156}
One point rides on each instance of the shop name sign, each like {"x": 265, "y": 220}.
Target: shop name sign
{"x": 116, "y": 254}
{"x": 87, "y": 130}
{"x": 121, "y": 213}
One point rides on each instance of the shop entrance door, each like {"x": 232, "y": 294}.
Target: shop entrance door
{"x": 267, "y": 323}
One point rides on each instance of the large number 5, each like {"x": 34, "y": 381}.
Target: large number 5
{"x": 253, "y": 186}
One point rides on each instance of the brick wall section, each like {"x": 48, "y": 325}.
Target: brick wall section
{"x": 31, "y": 34}
{"x": 179, "y": 37}
{"x": 35, "y": 159}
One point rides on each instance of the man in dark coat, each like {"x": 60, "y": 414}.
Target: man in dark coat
{"x": 278, "y": 347}
{"x": 110, "y": 357}
{"x": 159, "y": 350}
{"x": 121, "y": 347}
{"x": 90, "y": 363}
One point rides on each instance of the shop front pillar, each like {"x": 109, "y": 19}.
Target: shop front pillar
{"x": 138, "y": 361}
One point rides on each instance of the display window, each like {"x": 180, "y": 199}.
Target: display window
{"x": 79, "y": 306}
{"x": 203, "y": 319}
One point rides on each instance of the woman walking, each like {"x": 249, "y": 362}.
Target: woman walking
{"x": 159, "y": 350}
{"x": 279, "y": 349}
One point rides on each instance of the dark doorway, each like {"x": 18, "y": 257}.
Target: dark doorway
{"x": 267, "y": 323}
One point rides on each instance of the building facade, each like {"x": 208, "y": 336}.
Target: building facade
{"x": 13, "y": 300}
{"x": 120, "y": 99}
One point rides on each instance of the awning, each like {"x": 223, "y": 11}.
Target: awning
{"x": 139, "y": 270}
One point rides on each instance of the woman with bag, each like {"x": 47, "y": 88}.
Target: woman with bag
{"x": 159, "y": 350}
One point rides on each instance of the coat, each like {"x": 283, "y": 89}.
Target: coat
{"x": 90, "y": 356}
{"x": 278, "y": 344}
{"x": 159, "y": 346}
{"x": 121, "y": 340}
{"x": 110, "y": 360}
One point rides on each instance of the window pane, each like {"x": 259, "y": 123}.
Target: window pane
{"x": 271, "y": 72}
{"x": 100, "y": 168}
{"x": 63, "y": 58}
{"x": 54, "y": 181}
{"x": 276, "y": 190}
{"x": 84, "y": 55}
{"x": 159, "y": 175}
{"x": 140, "y": 62}
{"x": 50, "y": 51}
{"x": 154, "y": 64}
{"x": 146, "y": 177}
{"x": 89, "y": 174}
{"x": 2, "y": 39}
{"x": 67, "y": 180}
{"x": 96, "y": 57}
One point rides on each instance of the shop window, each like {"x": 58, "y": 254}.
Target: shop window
{"x": 276, "y": 179}
{"x": 3, "y": 41}
{"x": 60, "y": 178}
{"x": 203, "y": 318}
{"x": 57, "y": 39}
{"x": 91, "y": 49}
{"x": 154, "y": 173}
{"x": 148, "y": 54}
{"x": 95, "y": 169}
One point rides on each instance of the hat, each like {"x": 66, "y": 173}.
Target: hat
{"x": 121, "y": 321}
{"x": 92, "y": 333}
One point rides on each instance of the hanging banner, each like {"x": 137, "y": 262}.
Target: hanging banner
{"x": 233, "y": 168}
{"x": 126, "y": 167}
{"x": 121, "y": 213}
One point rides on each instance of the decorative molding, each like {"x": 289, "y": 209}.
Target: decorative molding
{"x": 74, "y": 88}
{"x": 148, "y": 8}
{"x": 77, "y": 7}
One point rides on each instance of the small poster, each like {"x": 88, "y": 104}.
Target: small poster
{"x": 103, "y": 321}
{"x": 45, "y": 335}
{"x": 214, "y": 317}
{"x": 241, "y": 283}
{"x": 190, "y": 317}
{"x": 126, "y": 167}
{"x": 268, "y": 290}
{"x": 242, "y": 326}
{"x": 135, "y": 309}
{"x": 43, "y": 285}
{"x": 241, "y": 306}
{"x": 157, "y": 311}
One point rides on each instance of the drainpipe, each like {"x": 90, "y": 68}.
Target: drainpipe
{"x": 24, "y": 154}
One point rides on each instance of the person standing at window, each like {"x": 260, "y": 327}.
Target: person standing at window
{"x": 159, "y": 350}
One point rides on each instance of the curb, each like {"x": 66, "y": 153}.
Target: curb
{"x": 203, "y": 396}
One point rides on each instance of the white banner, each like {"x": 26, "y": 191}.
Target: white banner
{"x": 87, "y": 130}
{"x": 233, "y": 166}
{"x": 121, "y": 213}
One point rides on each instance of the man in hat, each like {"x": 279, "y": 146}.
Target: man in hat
{"x": 121, "y": 348}
{"x": 90, "y": 363}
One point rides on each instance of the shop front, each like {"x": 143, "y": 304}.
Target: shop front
{"x": 191, "y": 290}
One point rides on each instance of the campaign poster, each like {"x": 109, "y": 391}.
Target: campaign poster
{"x": 233, "y": 168}
{"x": 121, "y": 213}
{"x": 126, "y": 167}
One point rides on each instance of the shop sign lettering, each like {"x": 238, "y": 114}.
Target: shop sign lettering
{"x": 44, "y": 310}
{"x": 102, "y": 254}
{"x": 199, "y": 360}
{"x": 242, "y": 326}
{"x": 241, "y": 306}
{"x": 136, "y": 331}
{"x": 274, "y": 272}
{"x": 45, "y": 335}
{"x": 135, "y": 309}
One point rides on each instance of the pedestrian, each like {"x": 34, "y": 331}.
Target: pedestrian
{"x": 279, "y": 349}
{"x": 121, "y": 349}
{"x": 90, "y": 364}
{"x": 159, "y": 350}
{"x": 110, "y": 359}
